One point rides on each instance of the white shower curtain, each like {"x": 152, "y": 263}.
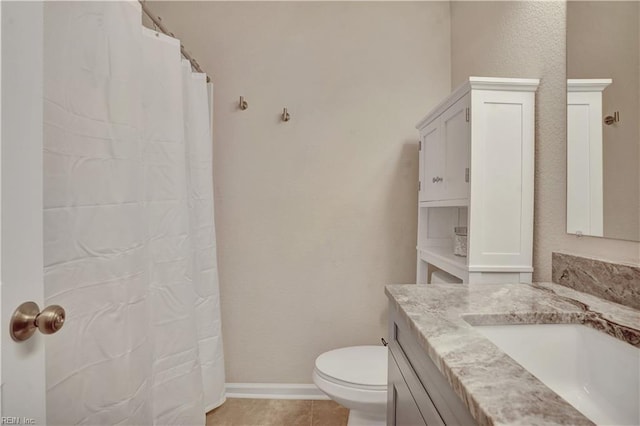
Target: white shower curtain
{"x": 128, "y": 223}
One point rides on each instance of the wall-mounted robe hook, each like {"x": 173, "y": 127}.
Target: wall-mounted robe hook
{"x": 285, "y": 115}
{"x": 242, "y": 104}
{"x": 610, "y": 119}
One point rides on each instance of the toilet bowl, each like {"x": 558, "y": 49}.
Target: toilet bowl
{"x": 356, "y": 377}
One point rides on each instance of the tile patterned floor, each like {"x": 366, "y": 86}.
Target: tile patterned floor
{"x": 278, "y": 412}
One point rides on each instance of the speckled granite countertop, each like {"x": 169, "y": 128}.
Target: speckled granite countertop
{"x": 495, "y": 388}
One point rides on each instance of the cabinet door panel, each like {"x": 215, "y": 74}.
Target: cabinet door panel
{"x": 432, "y": 159}
{"x": 402, "y": 410}
{"x": 501, "y": 222}
{"x": 456, "y": 137}
{"x": 437, "y": 401}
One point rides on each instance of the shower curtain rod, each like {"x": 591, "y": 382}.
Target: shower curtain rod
{"x": 157, "y": 21}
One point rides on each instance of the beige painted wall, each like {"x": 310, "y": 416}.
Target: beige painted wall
{"x": 528, "y": 39}
{"x": 314, "y": 216}
{"x": 602, "y": 42}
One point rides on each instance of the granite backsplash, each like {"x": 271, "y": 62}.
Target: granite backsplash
{"x": 613, "y": 281}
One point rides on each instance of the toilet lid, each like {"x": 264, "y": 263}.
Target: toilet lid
{"x": 360, "y": 365}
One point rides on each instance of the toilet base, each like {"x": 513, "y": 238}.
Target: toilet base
{"x": 362, "y": 418}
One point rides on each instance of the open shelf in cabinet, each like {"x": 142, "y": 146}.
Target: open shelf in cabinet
{"x": 444, "y": 259}
{"x": 462, "y": 202}
{"x": 435, "y": 240}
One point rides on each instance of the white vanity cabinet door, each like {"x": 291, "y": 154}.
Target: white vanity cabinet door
{"x": 456, "y": 138}
{"x": 432, "y": 163}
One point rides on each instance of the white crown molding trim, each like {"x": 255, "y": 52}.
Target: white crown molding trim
{"x": 481, "y": 83}
{"x": 274, "y": 391}
{"x": 513, "y": 84}
{"x": 588, "y": 84}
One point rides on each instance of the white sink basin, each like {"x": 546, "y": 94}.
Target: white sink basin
{"x": 596, "y": 373}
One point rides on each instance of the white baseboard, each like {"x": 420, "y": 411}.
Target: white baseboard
{"x": 274, "y": 391}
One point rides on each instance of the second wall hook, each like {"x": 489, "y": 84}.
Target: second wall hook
{"x": 610, "y": 119}
{"x": 285, "y": 115}
{"x": 242, "y": 104}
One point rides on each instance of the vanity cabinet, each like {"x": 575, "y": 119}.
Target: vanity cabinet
{"x": 418, "y": 394}
{"x": 476, "y": 170}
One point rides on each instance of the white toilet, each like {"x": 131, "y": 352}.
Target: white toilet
{"x": 356, "y": 377}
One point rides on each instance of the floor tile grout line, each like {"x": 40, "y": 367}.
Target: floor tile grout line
{"x": 312, "y": 407}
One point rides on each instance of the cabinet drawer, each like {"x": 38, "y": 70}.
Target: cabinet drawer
{"x": 429, "y": 381}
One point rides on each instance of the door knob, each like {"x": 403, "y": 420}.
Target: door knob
{"x": 27, "y": 318}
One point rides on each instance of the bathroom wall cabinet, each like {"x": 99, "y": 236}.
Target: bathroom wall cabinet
{"x": 476, "y": 170}
{"x": 418, "y": 394}
{"x": 585, "y": 208}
